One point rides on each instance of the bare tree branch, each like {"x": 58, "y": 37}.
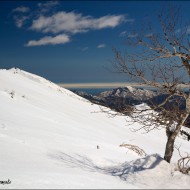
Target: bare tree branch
{"x": 157, "y": 62}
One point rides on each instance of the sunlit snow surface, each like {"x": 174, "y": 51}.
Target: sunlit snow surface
{"x": 49, "y": 138}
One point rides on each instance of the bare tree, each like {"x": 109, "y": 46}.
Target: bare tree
{"x": 161, "y": 60}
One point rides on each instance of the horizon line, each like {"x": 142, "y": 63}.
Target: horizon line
{"x": 99, "y": 85}
{"x": 106, "y": 85}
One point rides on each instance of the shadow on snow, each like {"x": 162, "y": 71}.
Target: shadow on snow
{"x": 123, "y": 171}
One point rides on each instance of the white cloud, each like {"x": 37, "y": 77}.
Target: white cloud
{"x": 107, "y": 21}
{"x": 75, "y": 22}
{"x": 188, "y": 30}
{"x": 149, "y": 35}
{"x": 101, "y": 46}
{"x": 132, "y": 35}
{"x": 131, "y": 20}
{"x": 124, "y": 33}
{"x": 20, "y": 20}
{"x": 62, "y": 22}
{"x": 48, "y": 40}
{"x": 178, "y": 31}
{"x": 129, "y": 35}
{"x": 21, "y": 9}
{"x": 183, "y": 30}
{"x": 47, "y": 6}
{"x": 85, "y": 49}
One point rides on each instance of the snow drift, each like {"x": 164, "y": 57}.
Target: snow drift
{"x": 49, "y": 138}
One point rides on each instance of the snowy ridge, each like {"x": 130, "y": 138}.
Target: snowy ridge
{"x": 52, "y": 138}
{"x": 41, "y": 80}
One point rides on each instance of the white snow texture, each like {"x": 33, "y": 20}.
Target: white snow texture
{"x": 52, "y": 138}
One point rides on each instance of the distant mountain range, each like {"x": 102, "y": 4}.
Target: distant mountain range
{"x": 123, "y": 98}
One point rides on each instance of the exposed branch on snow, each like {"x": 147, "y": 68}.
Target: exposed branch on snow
{"x": 134, "y": 148}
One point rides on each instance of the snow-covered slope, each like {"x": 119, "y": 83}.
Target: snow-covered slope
{"x": 49, "y": 138}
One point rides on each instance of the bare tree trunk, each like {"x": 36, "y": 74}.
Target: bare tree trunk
{"x": 169, "y": 147}
{"x": 171, "y": 138}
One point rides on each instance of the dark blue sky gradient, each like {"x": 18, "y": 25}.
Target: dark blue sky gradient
{"x": 70, "y": 62}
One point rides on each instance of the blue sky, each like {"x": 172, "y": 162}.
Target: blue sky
{"x": 71, "y": 41}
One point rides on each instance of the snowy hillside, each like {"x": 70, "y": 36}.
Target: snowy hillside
{"x": 49, "y": 138}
